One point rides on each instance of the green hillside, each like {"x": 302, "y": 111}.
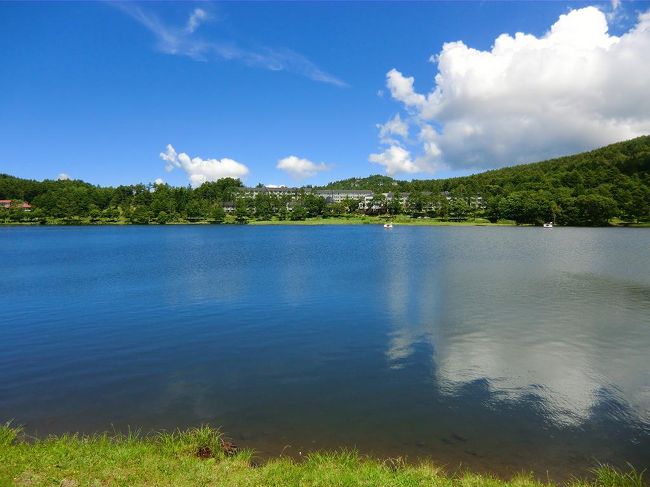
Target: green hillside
{"x": 589, "y": 189}
{"x": 586, "y": 189}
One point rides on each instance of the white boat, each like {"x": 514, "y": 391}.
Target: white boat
{"x": 388, "y": 225}
{"x": 548, "y": 225}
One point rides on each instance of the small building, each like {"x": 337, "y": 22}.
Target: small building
{"x": 339, "y": 195}
{"x": 15, "y": 203}
{"x": 278, "y": 191}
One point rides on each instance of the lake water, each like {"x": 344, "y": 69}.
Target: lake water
{"x": 500, "y": 349}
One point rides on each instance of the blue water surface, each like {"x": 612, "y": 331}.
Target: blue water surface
{"x": 500, "y": 349}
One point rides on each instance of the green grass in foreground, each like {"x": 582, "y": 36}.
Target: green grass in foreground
{"x": 196, "y": 457}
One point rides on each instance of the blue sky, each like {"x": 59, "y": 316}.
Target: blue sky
{"x": 98, "y": 90}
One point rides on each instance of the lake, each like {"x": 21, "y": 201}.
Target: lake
{"x": 499, "y": 349}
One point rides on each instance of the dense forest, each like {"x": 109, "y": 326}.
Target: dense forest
{"x": 583, "y": 189}
{"x": 588, "y": 189}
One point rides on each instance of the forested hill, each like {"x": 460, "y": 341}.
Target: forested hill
{"x": 616, "y": 176}
{"x": 582, "y": 189}
{"x": 620, "y": 164}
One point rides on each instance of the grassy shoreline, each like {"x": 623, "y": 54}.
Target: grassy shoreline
{"x": 200, "y": 456}
{"x": 376, "y": 220}
{"x": 399, "y": 220}
{"x": 352, "y": 220}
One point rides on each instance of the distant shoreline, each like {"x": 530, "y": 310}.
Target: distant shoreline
{"x": 380, "y": 221}
{"x": 230, "y": 220}
{"x": 399, "y": 220}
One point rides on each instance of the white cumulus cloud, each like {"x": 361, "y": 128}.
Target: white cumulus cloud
{"x": 528, "y": 98}
{"x": 401, "y": 88}
{"x": 201, "y": 170}
{"x": 63, "y": 177}
{"x": 395, "y": 126}
{"x": 395, "y": 160}
{"x": 299, "y": 168}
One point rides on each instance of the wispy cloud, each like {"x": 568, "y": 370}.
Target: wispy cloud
{"x": 182, "y": 41}
{"x": 196, "y": 18}
{"x": 616, "y": 13}
{"x": 395, "y": 126}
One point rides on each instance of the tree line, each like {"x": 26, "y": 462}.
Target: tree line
{"x": 587, "y": 189}
{"x": 583, "y": 189}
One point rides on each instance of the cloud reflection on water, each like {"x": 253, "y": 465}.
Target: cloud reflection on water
{"x": 562, "y": 331}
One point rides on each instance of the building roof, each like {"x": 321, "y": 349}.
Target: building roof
{"x": 282, "y": 189}
{"x": 343, "y": 191}
{"x": 24, "y": 204}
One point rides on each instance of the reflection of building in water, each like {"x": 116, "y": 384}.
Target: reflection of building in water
{"x": 413, "y": 293}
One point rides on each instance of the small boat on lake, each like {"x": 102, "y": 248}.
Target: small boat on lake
{"x": 548, "y": 225}
{"x": 388, "y": 225}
